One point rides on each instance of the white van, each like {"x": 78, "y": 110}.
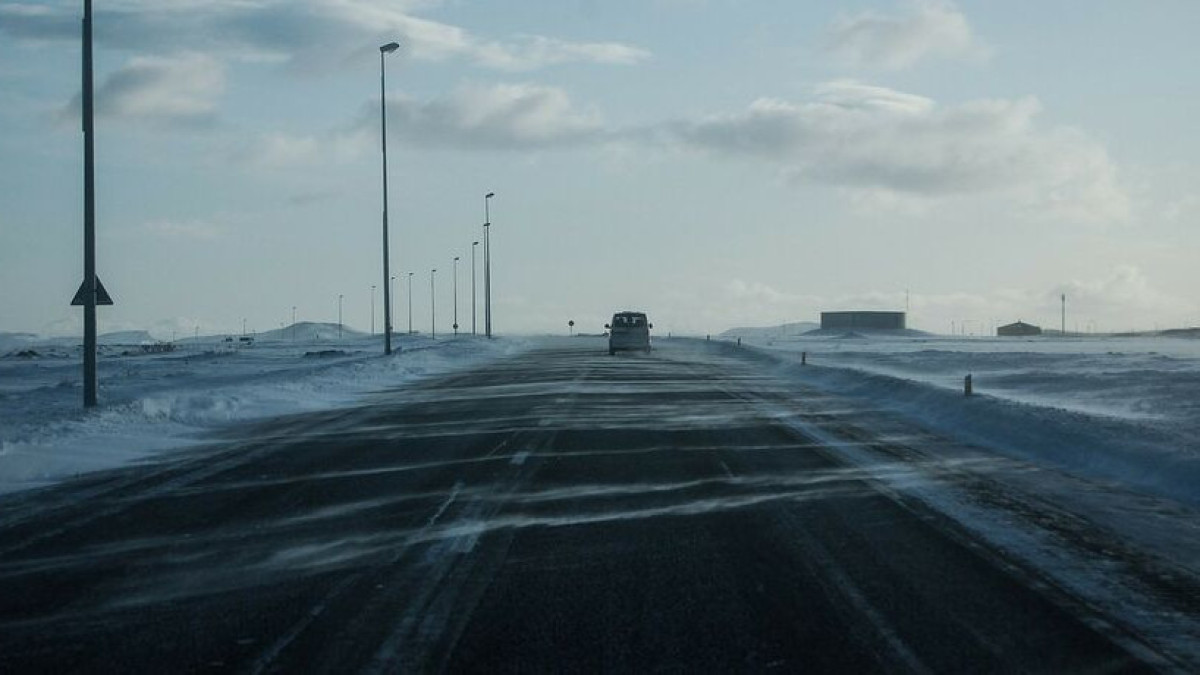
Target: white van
{"x": 629, "y": 331}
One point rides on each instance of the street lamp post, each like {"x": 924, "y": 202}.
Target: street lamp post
{"x": 392, "y": 289}
{"x": 387, "y": 319}
{"x": 89, "y": 218}
{"x": 456, "y": 295}
{"x": 432, "y": 307}
{"x": 340, "y": 296}
{"x": 293, "y": 323}
{"x": 373, "y": 308}
{"x": 487, "y": 265}
{"x": 410, "y": 276}
{"x": 474, "y": 245}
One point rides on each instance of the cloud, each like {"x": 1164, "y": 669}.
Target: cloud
{"x": 308, "y": 35}
{"x": 503, "y": 117}
{"x": 875, "y": 140}
{"x": 1119, "y": 301}
{"x": 175, "y": 91}
{"x": 930, "y": 29}
{"x": 1125, "y": 294}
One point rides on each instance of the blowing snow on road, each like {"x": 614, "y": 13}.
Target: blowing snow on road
{"x": 699, "y": 508}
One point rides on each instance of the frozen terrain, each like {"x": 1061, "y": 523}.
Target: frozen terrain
{"x": 1122, "y": 409}
{"x": 155, "y": 402}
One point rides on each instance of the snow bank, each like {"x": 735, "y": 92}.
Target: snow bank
{"x": 1111, "y": 409}
{"x": 156, "y": 403}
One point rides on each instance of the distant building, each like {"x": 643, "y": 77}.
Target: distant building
{"x": 1018, "y": 329}
{"x": 862, "y": 320}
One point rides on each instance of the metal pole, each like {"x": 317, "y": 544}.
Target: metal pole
{"x": 432, "y": 307}
{"x": 387, "y": 318}
{"x": 89, "y": 218}
{"x": 456, "y": 295}
{"x": 372, "y": 309}
{"x": 410, "y": 276}
{"x": 1064, "y": 315}
{"x": 339, "y": 316}
{"x": 293, "y": 323}
{"x": 487, "y": 265}
{"x": 474, "y": 245}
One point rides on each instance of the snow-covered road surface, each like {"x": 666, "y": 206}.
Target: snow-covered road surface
{"x": 698, "y": 508}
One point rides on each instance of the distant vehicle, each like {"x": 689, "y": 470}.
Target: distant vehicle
{"x": 629, "y": 331}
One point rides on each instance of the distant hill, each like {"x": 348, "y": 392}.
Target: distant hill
{"x": 16, "y": 340}
{"x": 309, "y": 331}
{"x": 123, "y": 337}
{"x": 771, "y": 332}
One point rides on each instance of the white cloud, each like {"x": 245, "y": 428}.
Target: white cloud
{"x": 929, "y": 29}
{"x": 876, "y": 141}
{"x": 177, "y": 90}
{"x": 1122, "y": 300}
{"x": 475, "y": 117}
{"x": 503, "y": 116}
{"x": 308, "y": 34}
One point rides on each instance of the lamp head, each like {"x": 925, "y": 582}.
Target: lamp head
{"x": 489, "y": 195}
{"x": 389, "y": 48}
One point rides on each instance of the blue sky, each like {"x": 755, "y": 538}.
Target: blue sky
{"x": 710, "y": 162}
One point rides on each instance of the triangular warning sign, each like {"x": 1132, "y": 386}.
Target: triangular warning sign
{"x": 102, "y": 296}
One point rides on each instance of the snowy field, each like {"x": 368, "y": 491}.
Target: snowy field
{"x": 1123, "y": 409}
{"x": 156, "y": 402}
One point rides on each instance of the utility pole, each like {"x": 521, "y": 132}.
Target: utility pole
{"x": 89, "y": 218}
{"x": 432, "y": 307}
{"x": 474, "y": 245}
{"x": 487, "y": 265}
{"x": 1064, "y": 314}
{"x": 456, "y": 295}
{"x": 387, "y": 304}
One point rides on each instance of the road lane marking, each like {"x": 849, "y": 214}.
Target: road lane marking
{"x": 458, "y": 486}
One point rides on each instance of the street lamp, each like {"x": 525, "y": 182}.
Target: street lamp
{"x": 387, "y": 319}
{"x": 293, "y": 323}
{"x": 340, "y": 296}
{"x": 456, "y": 295}
{"x": 487, "y": 265}
{"x": 392, "y": 289}
{"x": 474, "y": 245}
{"x": 432, "y": 307}
{"x": 410, "y": 276}
{"x": 373, "y": 308}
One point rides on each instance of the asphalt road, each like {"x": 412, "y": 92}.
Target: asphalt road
{"x": 562, "y": 510}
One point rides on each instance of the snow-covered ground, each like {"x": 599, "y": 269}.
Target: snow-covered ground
{"x": 1079, "y": 458}
{"x": 1122, "y": 409}
{"x": 156, "y": 402}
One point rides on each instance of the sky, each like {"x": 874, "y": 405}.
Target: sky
{"x": 713, "y": 163}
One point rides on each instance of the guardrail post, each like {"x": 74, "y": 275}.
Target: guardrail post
{"x": 967, "y": 389}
